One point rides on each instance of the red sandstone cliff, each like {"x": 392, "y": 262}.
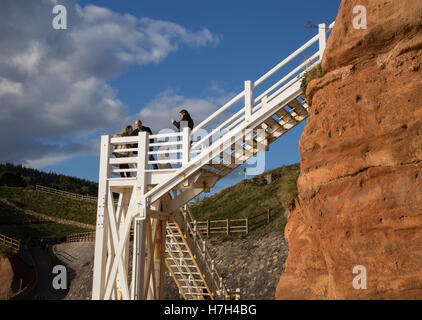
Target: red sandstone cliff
{"x": 360, "y": 187}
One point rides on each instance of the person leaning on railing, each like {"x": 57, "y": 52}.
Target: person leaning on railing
{"x": 185, "y": 121}
{"x": 185, "y": 118}
{"x": 127, "y": 131}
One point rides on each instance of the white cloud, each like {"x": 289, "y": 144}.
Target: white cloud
{"x": 28, "y": 61}
{"x": 58, "y": 154}
{"x": 53, "y": 84}
{"x": 10, "y": 87}
{"x": 157, "y": 114}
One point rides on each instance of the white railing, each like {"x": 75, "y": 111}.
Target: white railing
{"x": 134, "y": 154}
{"x": 251, "y": 105}
{"x": 204, "y": 259}
{"x": 175, "y": 150}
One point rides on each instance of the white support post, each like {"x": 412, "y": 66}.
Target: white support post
{"x": 185, "y": 146}
{"x": 194, "y": 230}
{"x": 143, "y": 147}
{"x": 139, "y": 243}
{"x": 322, "y": 39}
{"x": 138, "y": 259}
{"x": 101, "y": 234}
{"x": 248, "y": 100}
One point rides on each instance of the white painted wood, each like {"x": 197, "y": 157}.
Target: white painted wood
{"x": 248, "y": 100}
{"x": 185, "y": 146}
{"x": 322, "y": 39}
{"x": 219, "y": 111}
{"x": 288, "y": 76}
{"x": 138, "y": 258}
{"x": 142, "y": 160}
{"x": 114, "y": 227}
{"x": 126, "y": 160}
{"x": 165, "y": 151}
{"x": 166, "y": 143}
{"x": 142, "y": 197}
{"x": 100, "y": 258}
{"x": 125, "y": 150}
{"x": 165, "y": 161}
{"x": 286, "y": 61}
{"x": 123, "y": 140}
{"x": 165, "y": 135}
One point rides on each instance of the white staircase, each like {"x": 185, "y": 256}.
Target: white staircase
{"x": 189, "y": 261}
{"x": 189, "y": 163}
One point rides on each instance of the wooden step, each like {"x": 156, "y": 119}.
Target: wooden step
{"x": 298, "y": 108}
{"x": 286, "y": 119}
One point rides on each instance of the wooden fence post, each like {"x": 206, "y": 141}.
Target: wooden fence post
{"x": 208, "y": 228}
{"x": 228, "y": 226}
{"x": 247, "y": 226}
{"x": 268, "y": 215}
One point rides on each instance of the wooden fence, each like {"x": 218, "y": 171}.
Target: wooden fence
{"x": 11, "y": 243}
{"x": 229, "y": 226}
{"x": 81, "y": 237}
{"x": 205, "y": 227}
{"x": 86, "y": 236}
{"x": 66, "y": 194}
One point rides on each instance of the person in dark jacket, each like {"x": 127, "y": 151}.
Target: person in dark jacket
{"x": 185, "y": 120}
{"x": 139, "y": 128}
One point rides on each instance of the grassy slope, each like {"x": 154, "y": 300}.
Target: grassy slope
{"x": 51, "y": 205}
{"x": 29, "y": 176}
{"x": 9, "y": 226}
{"x": 37, "y": 231}
{"x": 245, "y": 199}
{"x": 251, "y": 197}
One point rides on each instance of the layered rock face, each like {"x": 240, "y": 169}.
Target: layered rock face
{"x": 360, "y": 187}
{"x": 6, "y": 276}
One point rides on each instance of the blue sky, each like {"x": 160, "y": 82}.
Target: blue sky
{"x": 246, "y": 39}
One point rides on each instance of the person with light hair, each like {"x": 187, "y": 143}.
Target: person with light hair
{"x": 127, "y": 131}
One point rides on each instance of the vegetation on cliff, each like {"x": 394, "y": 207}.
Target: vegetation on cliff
{"x": 52, "y": 205}
{"x": 272, "y": 190}
{"x": 313, "y": 73}
{"x": 20, "y": 176}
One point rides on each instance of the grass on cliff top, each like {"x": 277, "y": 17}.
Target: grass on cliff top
{"x": 26, "y": 232}
{"x": 51, "y": 205}
{"x": 251, "y": 197}
{"x": 313, "y": 73}
{"x": 20, "y": 226}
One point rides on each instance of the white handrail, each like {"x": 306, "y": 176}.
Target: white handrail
{"x": 199, "y": 243}
{"x": 219, "y": 111}
{"x": 219, "y": 128}
{"x": 287, "y": 60}
{"x": 293, "y": 72}
{"x": 257, "y": 83}
{"x": 165, "y": 135}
